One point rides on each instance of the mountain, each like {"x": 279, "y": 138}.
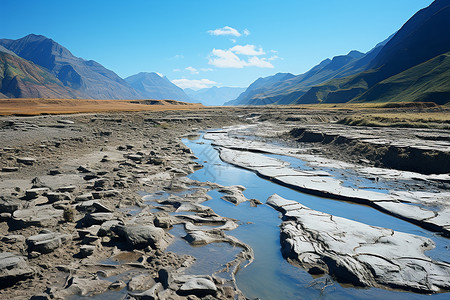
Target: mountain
{"x": 260, "y": 86}
{"x": 291, "y": 88}
{"x": 20, "y": 78}
{"x": 89, "y": 78}
{"x": 154, "y": 86}
{"x": 215, "y": 95}
{"x": 408, "y": 61}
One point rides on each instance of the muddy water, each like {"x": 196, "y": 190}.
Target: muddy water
{"x": 270, "y": 276}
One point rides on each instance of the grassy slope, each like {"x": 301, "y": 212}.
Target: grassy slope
{"x": 21, "y": 78}
{"x": 429, "y": 81}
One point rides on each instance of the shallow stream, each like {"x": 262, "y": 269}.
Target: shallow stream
{"x": 270, "y": 276}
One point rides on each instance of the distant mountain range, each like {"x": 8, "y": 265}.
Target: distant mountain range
{"x": 411, "y": 65}
{"x": 154, "y": 86}
{"x": 38, "y": 67}
{"x": 214, "y": 96}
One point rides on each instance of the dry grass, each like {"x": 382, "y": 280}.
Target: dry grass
{"x": 364, "y": 106}
{"x": 416, "y": 119}
{"x": 30, "y": 107}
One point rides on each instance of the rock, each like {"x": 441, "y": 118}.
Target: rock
{"x": 165, "y": 277}
{"x": 42, "y": 296}
{"x": 141, "y": 283}
{"x": 84, "y": 197}
{"x": 46, "y": 242}
{"x": 54, "y": 172}
{"x": 96, "y": 218}
{"x": 82, "y": 287}
{"x": 358, "y": 253}
{"x": 10, "y": 169}
{"x": 55, "y": 196}
{"x": 105, "y": 194}
{"x": 13, "y": 238}
{"x": 135, "y": 157}
{"x": 65, "y": 122}
{"x": 35, "y": 192}
{"x": 86, "y": 250}
{"x": 150, "y": 294}
{"x": 106, "y": 227}
{"x": 234, "y": 194}
{"x": 26, "y": 160}
{"x": 202, "y": 238}
{"x": 10, "y": 204}
{"x": 164, "y": 221}
{"x": 141, "y": 236}
{"x": 13, "y": 268}
{"x": 41, "y": 216}
{"x": 200, "y": 287}
{"x": 117, "y": 285}
{"x": 67, "y": 189}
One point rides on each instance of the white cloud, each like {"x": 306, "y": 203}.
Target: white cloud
{"x": 247, "y": 50}
{"x": 274, "y": 57}
{"x": 246, "y": 32}
{"x": 227, "y": 30}
{"x": 259, "y": 62}
{"x": 177, "y": 57}
{"x": 206, "y": 69}
{"x": 195, "y": 84}
{"x": 225, "y": 59}
{"x": 192, "y": 70}
{"x": 230, "y": 59}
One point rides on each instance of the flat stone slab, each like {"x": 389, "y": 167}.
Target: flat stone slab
{"x": 13, "y": 268}
{"x": 358, "y": 253}
{"x": 43, "y": 216}
{"x": 318, "y": 183}
{"x": 47, "y": 242}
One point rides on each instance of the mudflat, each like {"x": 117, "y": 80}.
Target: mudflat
{"x": 84, "y": 207}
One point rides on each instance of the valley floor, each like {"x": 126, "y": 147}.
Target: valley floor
{"x": 90, "y": 202}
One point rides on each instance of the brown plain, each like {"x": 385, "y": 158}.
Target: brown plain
{"x": 32, "y": 106}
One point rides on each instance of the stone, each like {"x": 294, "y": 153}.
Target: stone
{"x": 141, "y": 283}
{"x": 86, "y": 250}
{"x": 10, "y": 169}
{"x": 96, "y": 218}
{"x": 26, "y": 160}
{"x": 41, "y": 216}
{"x": 35, "y": 192}
{"x": 358, "y": 253}
{"x": 56, "y": 196}
{"x": 10, "y": 204}
{"x": 200, "y": 287}
{"x": 142, "y": 236}
{"x": 47, "y": 242}
{"x": 150, "y": 294}
{"x": 13, "y": 238}
{"x": 13, "y": 268}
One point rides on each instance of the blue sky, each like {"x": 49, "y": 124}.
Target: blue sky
{"x": 204, "y": 43}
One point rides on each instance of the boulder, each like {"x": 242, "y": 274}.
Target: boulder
{"x": 13, "y": 268}
{"x": 47, "y": 241}
{"x": 141, "y": 236}
{"x": 200, "y": 287}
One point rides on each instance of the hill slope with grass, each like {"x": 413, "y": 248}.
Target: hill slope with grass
{"x": 20, "y": 78}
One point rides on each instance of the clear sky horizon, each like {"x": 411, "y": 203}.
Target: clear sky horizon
{"x": 199, "y": 44}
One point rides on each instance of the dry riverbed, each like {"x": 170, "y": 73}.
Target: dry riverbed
{"x": 88, "y": 201}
